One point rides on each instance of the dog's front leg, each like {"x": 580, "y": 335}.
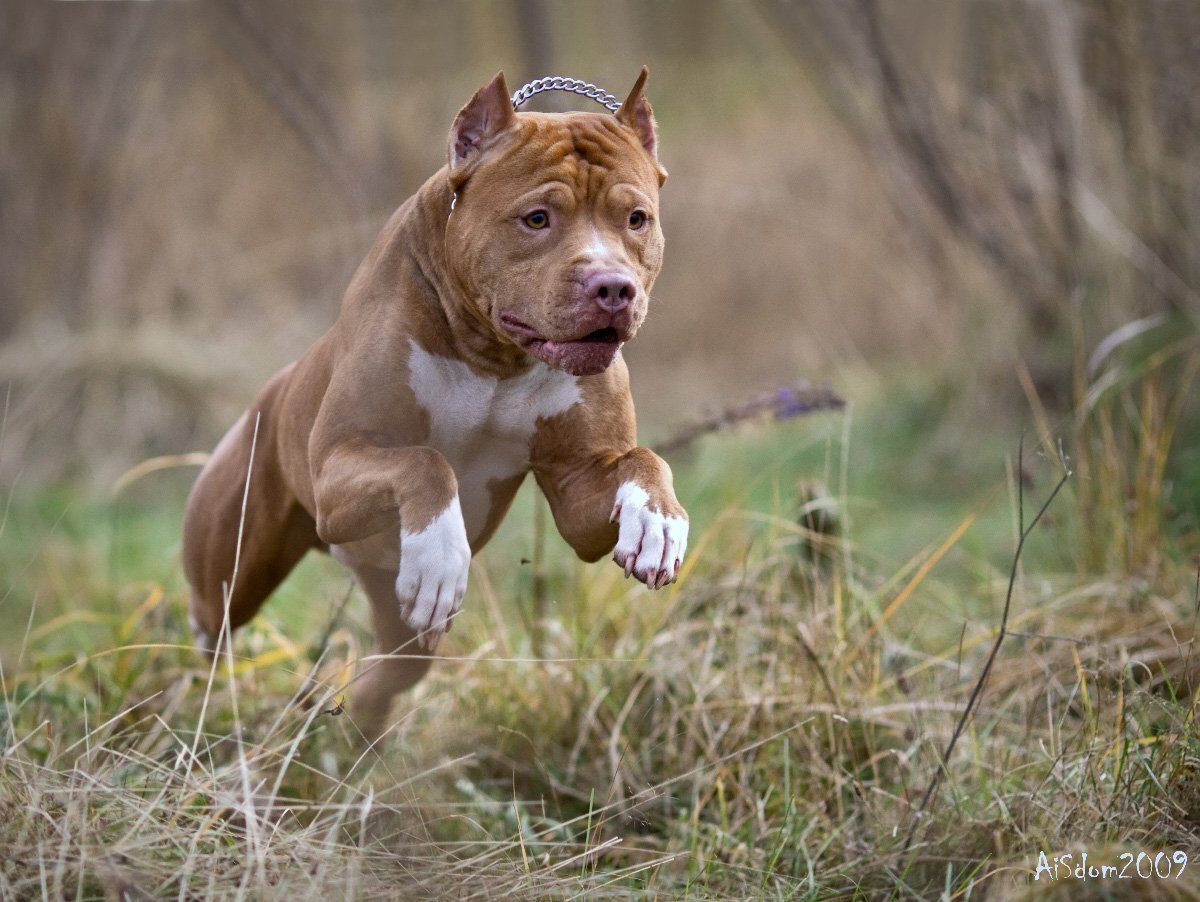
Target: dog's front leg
{"x": 619, "y": 502}
{"x": 361, "y": 490}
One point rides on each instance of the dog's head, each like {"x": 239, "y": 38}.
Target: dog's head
{"x": 555, "y": 234}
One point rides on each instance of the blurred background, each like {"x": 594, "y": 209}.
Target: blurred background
{"x": 969, "y": 197}
{"x": 977, "y": 221}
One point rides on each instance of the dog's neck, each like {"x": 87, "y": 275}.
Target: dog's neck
{"x": 471, "y": 335}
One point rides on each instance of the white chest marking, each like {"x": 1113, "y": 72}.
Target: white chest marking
{"x": 483, "y": 425}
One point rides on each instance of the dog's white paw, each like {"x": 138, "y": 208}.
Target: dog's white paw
{"x": 650, "y": 544}
{"x": 433, "y": 574}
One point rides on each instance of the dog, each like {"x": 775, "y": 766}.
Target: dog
{"x": 479, "y": 340}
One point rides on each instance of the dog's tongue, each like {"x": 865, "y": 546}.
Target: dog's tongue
{"x": 580, "y": 358}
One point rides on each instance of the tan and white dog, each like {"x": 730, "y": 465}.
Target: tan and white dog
{"x": 479, "y": 340}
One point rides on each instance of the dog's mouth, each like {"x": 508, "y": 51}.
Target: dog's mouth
{"x": 607, "y": 335}
{"x": 586, "y": 355}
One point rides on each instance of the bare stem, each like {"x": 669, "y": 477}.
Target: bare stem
{"x": 977, "y": 690}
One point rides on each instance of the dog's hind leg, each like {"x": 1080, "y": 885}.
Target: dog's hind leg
{"x": 402, "y": 660}
{"x": 239, "y": 543}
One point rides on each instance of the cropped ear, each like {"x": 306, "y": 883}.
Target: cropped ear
{"x": 485, "y": 116}
{"x": 635, "y": 113}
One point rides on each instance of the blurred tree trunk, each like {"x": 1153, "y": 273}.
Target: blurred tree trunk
{"x": 1066, "y": 137}
{"x": 536, "y": 31}
{"x": 278, "y": 69}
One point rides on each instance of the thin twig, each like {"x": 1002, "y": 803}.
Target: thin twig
{"x": 303, "y": 694}
{"x": 540, "y": 601}
{"x": 977, "y": 691}
{"x": 785, "y": 402}
{"x": 1046, "y": 637}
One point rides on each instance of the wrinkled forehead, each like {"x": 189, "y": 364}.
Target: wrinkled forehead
{"x": 588, "y": 151}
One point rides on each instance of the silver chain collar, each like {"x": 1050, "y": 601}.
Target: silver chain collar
{"x": 571, "y": 85}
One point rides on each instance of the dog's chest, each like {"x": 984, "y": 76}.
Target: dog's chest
{"x": 482, "y": 425}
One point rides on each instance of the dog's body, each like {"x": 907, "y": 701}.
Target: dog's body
{"x": 479, "y": 340}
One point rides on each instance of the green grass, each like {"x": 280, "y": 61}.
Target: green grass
{"x": 763, "y": 729}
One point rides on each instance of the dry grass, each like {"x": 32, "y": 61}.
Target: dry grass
{"x": 763, "y": 729}
{"x": 198, "y": 190}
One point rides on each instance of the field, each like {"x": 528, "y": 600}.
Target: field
{"x": 937, "y": 643}
{"x": 765, "y": 728}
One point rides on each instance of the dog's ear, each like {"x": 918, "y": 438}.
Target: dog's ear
{"x": 635, "y": 113}
{"x": 485, "y": 116}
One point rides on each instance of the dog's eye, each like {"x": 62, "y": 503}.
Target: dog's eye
{"x": 538, "y": 219}
{"x": 637, "y": 219}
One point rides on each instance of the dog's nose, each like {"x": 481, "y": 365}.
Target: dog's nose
{"x": 611, "y": 290}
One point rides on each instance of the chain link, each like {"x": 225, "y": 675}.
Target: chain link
{"x": 572, "y": 85}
